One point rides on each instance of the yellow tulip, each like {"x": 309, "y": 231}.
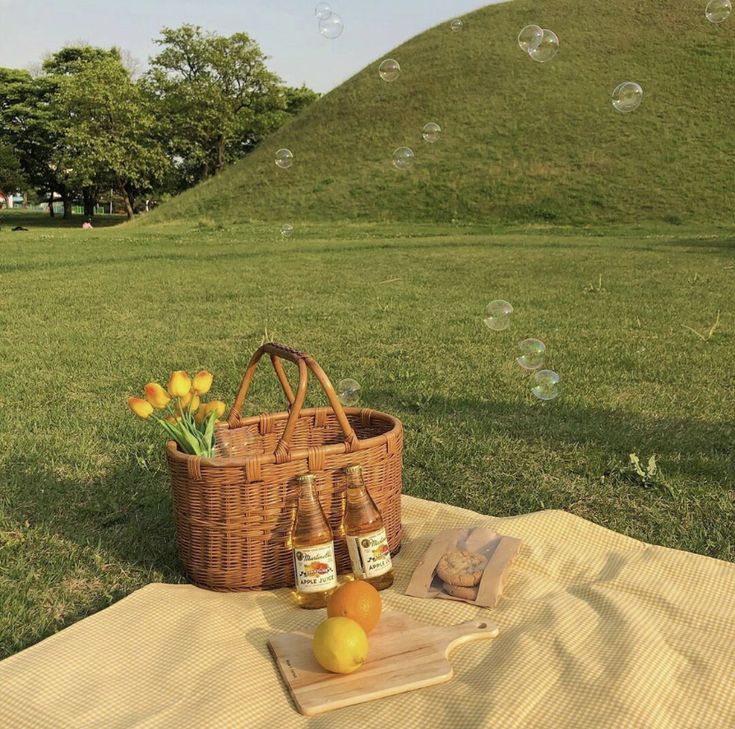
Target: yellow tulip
{"x": 179, "y": 384}
{"x": 156, "y": 395}
{"x": 202, "y": 382}
{"x": 202, "y": 413}
{"x": 191, "y": 398}
{"x": 218, "y": 407}
{"x": 172, "y": 420}
{"x": 188, "y": 402}
{"x": 142, "y": 408}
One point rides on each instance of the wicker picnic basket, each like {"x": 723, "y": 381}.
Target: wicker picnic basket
{"x": 233, "y": 512}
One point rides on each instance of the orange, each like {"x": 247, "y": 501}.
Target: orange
{"x": 357, "y": 600}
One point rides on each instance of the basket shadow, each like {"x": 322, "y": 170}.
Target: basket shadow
{"x": 126, "y": 514}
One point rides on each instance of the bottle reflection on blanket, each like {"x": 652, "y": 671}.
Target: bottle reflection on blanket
{"x": 315, "y": 570}
{"x": 364, "y": 533}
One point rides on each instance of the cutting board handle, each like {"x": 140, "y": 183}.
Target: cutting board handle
{"x": 455, "y": 635}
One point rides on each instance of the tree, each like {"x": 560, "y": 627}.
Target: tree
{"x": 11, "y": 174}
{"x": 32, "y": 126}
{"x": 108, "y": 127}
{"x": 29, "y": 127}
{"x": 217, "y": 98}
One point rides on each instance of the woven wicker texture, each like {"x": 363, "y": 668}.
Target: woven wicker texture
{"x": 234, "y": 512}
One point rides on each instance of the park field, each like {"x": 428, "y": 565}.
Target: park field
{"x": 629, "y": 317}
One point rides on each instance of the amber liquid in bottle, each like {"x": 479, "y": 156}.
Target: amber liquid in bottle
{"x": 315, "y": 570}
{"x": 364, "y": 533}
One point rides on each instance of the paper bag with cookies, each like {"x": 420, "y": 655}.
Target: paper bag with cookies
{"x": 465, "y": 564}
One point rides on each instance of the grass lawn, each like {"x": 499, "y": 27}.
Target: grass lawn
{"x": 88, "y": 318}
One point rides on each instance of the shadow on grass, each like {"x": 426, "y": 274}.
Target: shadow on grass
{"x": 35, "y": 221}
{"x": 715, "y": 243}
{"x": 706, "y": 446}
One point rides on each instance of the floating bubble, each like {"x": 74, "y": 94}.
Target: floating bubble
{"x": 627, "y": 96}
{"x": 532, "y": 356}
{"x": 348, "y": 392}
{"x": 456, "y": 25}
{"x": 547, "y": 49}
{"x": 403, "y": 158}
{"x": 286, "y": 230}
{"x": 529, "y": 39}
{"x": 284, "y": 158}
{"x": 718, "y": 10}
{"x": 431, "y": 132}
{"x": 389, "y": 69}
{"x": 547, "y": 385}
{"x": 322, "y": 11}
{"x": 332, "y": 26}
{"x": 497, "y": 315}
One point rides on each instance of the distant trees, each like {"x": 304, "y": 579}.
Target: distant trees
{"x": 84, "y": 125}
{"x": 216, "y": 97}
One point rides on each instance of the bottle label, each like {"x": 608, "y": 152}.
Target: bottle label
{"x": 369, "y": 554}
{"x": 314, "y": 568}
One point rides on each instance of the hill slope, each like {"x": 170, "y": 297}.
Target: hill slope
{"x": 521, "y": 141}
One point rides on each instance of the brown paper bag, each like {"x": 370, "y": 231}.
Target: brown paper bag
{"x": 499, "y": 551}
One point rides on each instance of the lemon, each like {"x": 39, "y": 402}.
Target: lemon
{"x": 340, "y": 645}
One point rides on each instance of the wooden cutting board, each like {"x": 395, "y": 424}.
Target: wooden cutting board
{"x": 404, "y": 655}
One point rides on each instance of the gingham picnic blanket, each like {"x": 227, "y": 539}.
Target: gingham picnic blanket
{"x": 596, "y": 630}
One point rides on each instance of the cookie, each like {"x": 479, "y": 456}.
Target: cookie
{"x": 466, "y": 593}
{"x": 461, "y": 568}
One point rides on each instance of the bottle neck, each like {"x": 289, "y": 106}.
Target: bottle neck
{"x": 307, "y": 493}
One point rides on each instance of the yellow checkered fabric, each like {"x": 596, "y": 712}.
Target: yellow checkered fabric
{"x": 596, "y": 630}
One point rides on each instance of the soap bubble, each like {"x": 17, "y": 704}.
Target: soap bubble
{"x": 547, "y": 385}
{"x": 547, "y": 49}
{"x": 322, "y": 11}
{"x": 456, "y": 25}
{"x": 529, "y": 39}
{"x": 403, "y": 158}
{"x": 284, "y": 158}
{"x": 718, "y": 10}
{"x": 389, "y": 69}
{"x": 627, "y": 96}
{"x": 332, "y": 26}
{"x": 497, "y": 315}
{"x": 286, "y": 230}
{"x": 532, "y": 354}
{"x": 348, "y": 392}
{"x": 431, "y": 132}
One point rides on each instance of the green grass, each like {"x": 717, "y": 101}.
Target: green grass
{"x": 522, "y": 141}
{"x": 85, "y": 514}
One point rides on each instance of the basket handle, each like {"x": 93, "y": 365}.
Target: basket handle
{"x": 305, "y": 363}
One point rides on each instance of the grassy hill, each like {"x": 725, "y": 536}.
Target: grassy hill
{"x": 521, "y": 141}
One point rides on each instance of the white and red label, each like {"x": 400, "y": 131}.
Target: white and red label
{"x": 315, "y": 568}
{"x": 369, "y": 554}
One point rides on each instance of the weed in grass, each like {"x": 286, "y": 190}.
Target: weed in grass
{"x": 708, "y": 333}
{"x": 592, "y": 288}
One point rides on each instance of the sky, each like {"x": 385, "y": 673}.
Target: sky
{"x": 287, "y": 30}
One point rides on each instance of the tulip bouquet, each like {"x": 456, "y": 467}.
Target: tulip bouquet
{"x": 180, "y": 411}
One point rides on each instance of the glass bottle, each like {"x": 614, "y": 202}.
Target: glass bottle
{"x": 364, "y": 533}
{"x": 315, "y": 570}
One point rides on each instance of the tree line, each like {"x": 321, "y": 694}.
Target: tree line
{"x": 86, "y": 123}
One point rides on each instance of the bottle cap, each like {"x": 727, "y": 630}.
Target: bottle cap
{"x": 355, "y": 468}
{"x": 306, "y": 478}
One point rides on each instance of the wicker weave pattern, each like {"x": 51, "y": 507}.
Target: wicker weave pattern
{"x": 234, "y": 512}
